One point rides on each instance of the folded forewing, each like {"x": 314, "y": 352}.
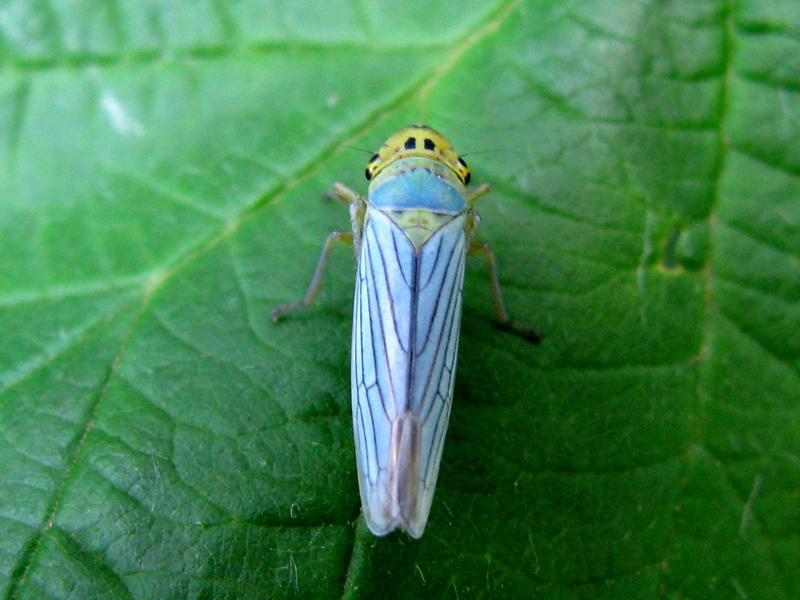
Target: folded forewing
{"x": 405, "y": 338}
{"x": 437, "y": 324}
{"x": 380, "y": 364}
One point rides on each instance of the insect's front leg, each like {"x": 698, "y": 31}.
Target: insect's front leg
{"x": 505, "y": 322}
{"x": 343, "y": 194}
{"x": 357, "y": 205}
{"x": 358, "y": 209}
{"x": 358, "y": 213}
{"x": 476, "y": 192}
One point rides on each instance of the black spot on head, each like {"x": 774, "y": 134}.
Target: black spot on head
{"x": 411, "y": 143}
{"x": 462, "y": 163}
{"x": 375, "y": 158}
{"x": 429, "y": 145}
{"x": 467, "y": 178}
{"x": 368, "y": 173}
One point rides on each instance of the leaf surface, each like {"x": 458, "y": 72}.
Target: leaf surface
{"x": 161, "y": 172}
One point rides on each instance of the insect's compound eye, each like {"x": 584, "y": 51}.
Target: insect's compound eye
{"x": 371, "y": 165}
{"x": 465, "y": 174}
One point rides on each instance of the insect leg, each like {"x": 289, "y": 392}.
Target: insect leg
{"x": 319, "y": 273}
{"x": 476, "y": 192}
{"x": 343, "y": 194}
{"x": 358, "y": 209}
{"x": 475, "y": 247}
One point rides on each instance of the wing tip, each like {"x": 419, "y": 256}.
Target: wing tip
{"x": 413, "y": 527}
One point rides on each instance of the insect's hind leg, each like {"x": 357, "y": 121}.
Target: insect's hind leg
{"x": 316, "y": 281}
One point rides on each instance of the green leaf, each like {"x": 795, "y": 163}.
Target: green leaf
{"x": 161, "y": 173}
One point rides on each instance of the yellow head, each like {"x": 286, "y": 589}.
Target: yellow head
{"x": 421, "y": 141}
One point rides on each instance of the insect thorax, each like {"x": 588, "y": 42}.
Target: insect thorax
{"x": 420, "y": 195}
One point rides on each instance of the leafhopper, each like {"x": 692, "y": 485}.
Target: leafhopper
{"x": 412, "y": 234}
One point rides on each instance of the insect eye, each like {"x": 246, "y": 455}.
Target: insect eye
{"x": 465, "y": 170}
{"x": 371, "y": 165}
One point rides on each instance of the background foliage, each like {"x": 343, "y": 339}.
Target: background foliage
{"x": 161, "y": 168}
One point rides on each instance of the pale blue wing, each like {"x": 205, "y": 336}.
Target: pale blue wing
{"x": 438, "y": 324}
{"x": 405, "y": 339}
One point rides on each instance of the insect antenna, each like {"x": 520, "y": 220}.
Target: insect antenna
{"x": 483, "y": 152}
{"x": 370, "y": 152}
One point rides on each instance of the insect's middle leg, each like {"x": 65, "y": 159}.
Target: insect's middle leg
{"x": 319, "y": 273}
{"x": 358, "y": 207}
{"x": 475, "y": 247}
{"x": 526, "y": 331}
